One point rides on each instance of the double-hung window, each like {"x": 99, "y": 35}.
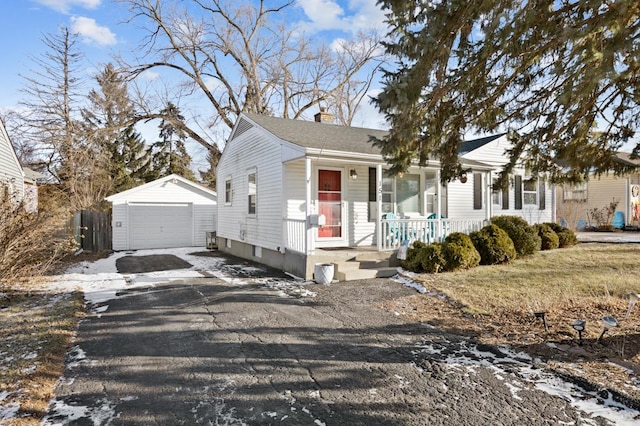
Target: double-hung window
{"x": 251, "y": 191}
{"x": 530, "y": 192}
{"x": 227, "y": 191}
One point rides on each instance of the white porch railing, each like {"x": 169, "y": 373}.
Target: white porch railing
{"x": 295, "y": 234}
{"x": 396, "y": 231}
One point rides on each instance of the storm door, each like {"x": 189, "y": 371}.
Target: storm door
{"x": 330, "y": 203}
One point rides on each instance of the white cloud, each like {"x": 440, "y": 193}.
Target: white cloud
{"x": 351, "y": 16}
{"x": 150, "y": 75}
{"x": 91, "y": 31}
{"x": 64, "y": 6}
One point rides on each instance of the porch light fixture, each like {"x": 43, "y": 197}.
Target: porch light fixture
{"x": 463, "y": 178}
{"x": 633, "y": 298}
{"x": 542, "y": 316}
{"x": 353, "y": 174}
{"x": 579, "y": 326}
{"x": 607, "y": 323}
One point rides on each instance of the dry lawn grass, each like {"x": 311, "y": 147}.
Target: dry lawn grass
{"x": 496, "y": 305}
{"x": 36, "y": 329}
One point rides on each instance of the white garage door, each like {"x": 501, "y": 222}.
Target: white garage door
{"x": 160, "y": 225}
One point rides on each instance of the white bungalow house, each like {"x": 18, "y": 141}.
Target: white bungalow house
{"x": 15, "y": 182}
{"x": 295, "y": 193}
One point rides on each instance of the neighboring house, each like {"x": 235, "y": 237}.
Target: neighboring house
{"x": 31, "y": 178}
{"x": 292, "y": 193}
{"x": 168, "y": 212}
{"x": 16, "y": 182}
{"x": 576, "y": 202}
{"x": 11, "y": 174}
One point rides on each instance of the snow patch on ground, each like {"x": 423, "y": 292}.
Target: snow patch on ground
{"x": 102, "y": 414}
{"x": 7, "y": 411}
{"x": 503, "y": 362}
{"x": 406, "y": 278}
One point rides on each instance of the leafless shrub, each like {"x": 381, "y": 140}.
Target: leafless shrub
{"x": 30, "y": 243}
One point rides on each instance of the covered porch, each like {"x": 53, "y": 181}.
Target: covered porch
{"x": 354, "y": 204}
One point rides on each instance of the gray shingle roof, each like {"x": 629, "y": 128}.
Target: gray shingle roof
{"x": 468, "y": 146}
{"x": 310, "y": 134}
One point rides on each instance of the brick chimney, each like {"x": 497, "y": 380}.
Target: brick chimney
{"x": 323, "y": 116}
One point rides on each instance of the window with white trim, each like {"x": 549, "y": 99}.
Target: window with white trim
{"x": 496, "y": 193}
{"x": 401, "y": 194}
{"x": 251, "y": 191}
{"x": 227, "y": 191}
{"x": 575, "y": 192}
{"x": 530, "y": 192}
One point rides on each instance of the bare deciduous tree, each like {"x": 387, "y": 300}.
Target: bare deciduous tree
{"x": 243, "y": 58}
{"x": 51, "y": 108}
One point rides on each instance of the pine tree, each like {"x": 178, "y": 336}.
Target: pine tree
{"x": 562, "y": 76}
{"x": 107, "y": 121}
{"x": 169, "y": 154}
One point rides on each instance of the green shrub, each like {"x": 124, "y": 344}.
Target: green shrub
{"x": 550, "y": 240}
{"x": 525, "y": 238}
{"x": 459, "y": 252}
{"x": 412, "y": 262}
{"x": 432, "y": 259}
{"x": 424, "y": 258}
{"x": 494, "y": 245}
{"x": 566, "y": 236}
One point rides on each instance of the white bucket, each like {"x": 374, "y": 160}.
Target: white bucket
{"x": 323, "y": 273}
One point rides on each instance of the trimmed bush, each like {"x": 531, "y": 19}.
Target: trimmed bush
{"x": 424, "y": 258}
{"x": 459, "y": 252}
{"x": 525, "y": 238}
{"x": 431, "y": 258}
{"x": 494, "y": 245}
{"x": 412, "y": 263}
{"x": 566, "y": 236}
{"x": 550, "y": 240}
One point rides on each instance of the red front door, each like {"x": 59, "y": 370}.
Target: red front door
{"x": 330, "y": 203}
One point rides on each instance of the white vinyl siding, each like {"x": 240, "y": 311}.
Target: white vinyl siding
{"x": 253, "y": 149}
{"x": 494, "y": 154}
{"x": 11, "y": 175}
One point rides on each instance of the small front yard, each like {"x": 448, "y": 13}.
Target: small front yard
{"x": 36, "y": 329}
{"x": 496, "y": 305}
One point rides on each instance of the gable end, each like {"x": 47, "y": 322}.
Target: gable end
{"x": 242, "y": 127}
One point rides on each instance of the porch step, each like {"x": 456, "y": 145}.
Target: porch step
{"x": 367, "y": 265}
{"x": 364, "y": 274}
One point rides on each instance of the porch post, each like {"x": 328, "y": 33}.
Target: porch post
{"x": 488, "y": 199}
{"x": 379, "y": 205}
{"x": 309, "y": 245}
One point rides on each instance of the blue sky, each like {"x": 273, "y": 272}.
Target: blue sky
{"x": 104, "y": 33}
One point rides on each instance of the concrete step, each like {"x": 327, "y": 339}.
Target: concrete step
{"x": 363, "y": 274}
{"x": 389, "y": 257}
{"x": 348, "y": 265}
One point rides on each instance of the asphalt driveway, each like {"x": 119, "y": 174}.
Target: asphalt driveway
{"x": 209, "y": 351}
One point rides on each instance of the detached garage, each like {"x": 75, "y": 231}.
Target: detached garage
{"x": 168, "y": 212}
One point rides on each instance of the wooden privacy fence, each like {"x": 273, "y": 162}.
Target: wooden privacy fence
{"x": 92, "y": 230}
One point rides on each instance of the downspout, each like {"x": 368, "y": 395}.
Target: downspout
{"x": 379, "y": 205}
